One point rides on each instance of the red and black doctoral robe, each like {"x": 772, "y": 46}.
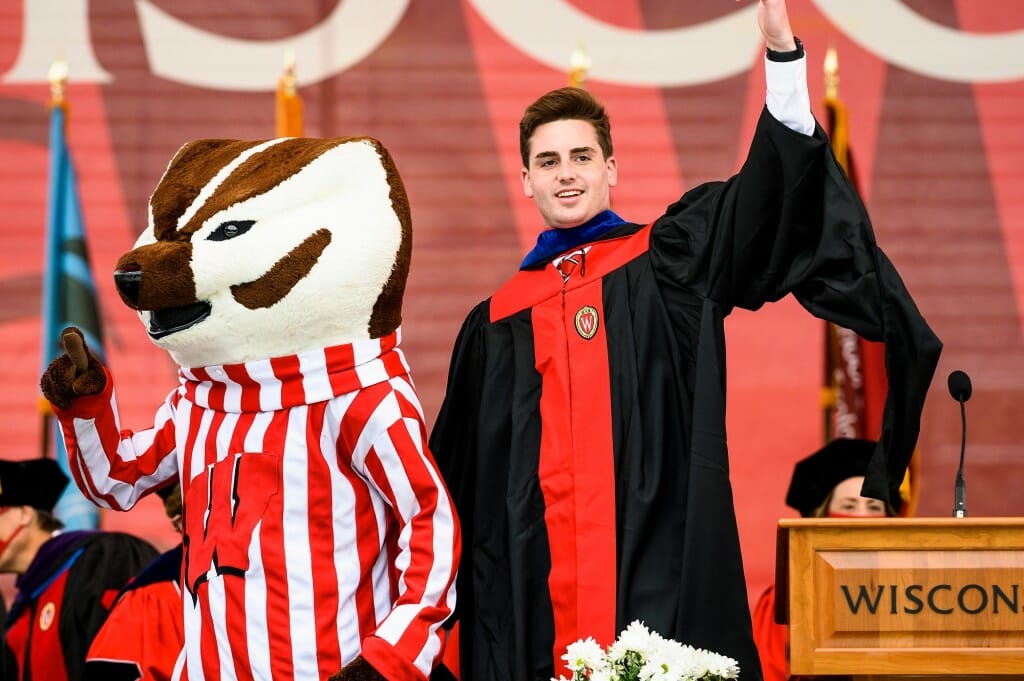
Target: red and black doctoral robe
{"x": 64, "y": 597}
{"x": 583, "y": 430}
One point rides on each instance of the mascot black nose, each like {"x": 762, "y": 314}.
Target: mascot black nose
{"x": 129, "y": 283}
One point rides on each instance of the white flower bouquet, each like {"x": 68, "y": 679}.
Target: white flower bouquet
{"x": 642, "y": 655}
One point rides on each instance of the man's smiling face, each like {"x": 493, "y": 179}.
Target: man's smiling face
{"x": 568, "y": 177}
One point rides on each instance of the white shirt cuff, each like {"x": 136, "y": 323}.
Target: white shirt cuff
{"x": 788, "y": 100}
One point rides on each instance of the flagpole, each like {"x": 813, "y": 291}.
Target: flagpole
{"x": 57, "y": 106}
{"x": 830, "y": 387}
{"x": 57, "y": 76}
{"x": 579, "y": 65}
{"x": 288, "y": 104}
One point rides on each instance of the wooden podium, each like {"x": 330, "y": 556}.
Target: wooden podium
{"x": 897, "y": 598}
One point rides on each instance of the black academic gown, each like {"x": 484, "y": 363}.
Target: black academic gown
{"x": 582, "y": 435}
{"x": 63, "y": 598}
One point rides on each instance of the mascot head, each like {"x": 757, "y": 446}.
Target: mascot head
{"x": 264, "y": 249}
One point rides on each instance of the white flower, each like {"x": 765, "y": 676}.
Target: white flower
{"x": 584, "y": 654}
{"x": 668, "y": 660}
{"x": 718, "y": 665}
{"x": 639, "y": 654}
{"x": 636, "y": 637}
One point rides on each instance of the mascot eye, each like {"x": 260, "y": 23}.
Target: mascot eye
{"x": 230, "y": 229}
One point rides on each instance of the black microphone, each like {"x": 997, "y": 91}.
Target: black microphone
{"x": 959, "y": 384}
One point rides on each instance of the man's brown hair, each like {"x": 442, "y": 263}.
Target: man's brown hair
{"x": 567, "y": 103}
{"x": 48, "y": 522}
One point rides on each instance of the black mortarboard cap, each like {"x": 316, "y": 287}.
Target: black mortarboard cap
{"x": 816, "y": 476}
{"x": 33, "y": 482}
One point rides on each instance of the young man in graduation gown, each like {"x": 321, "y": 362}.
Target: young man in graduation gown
{"x": 583, "y": 430}
{"x": 66, "y": 581}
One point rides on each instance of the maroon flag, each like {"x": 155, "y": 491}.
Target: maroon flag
{"x": 855, "y": 382}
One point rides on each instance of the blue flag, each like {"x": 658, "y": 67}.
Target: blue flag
{"x": 69, "y": 298}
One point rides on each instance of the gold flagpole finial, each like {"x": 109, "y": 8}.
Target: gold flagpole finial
{"x": 288, "y": 77}
{"x": 579, "y": 64}
{"x": 831, "y": 73}
{"x": 58, "y": 77}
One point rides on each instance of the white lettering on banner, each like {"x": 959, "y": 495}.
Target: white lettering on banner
{"x": 548, "y": 29}
{"x": 902, "y": 37}
{"x": 180, "y": 52}
{"x": 51, "y": 29}
{"x": 545, "y": 30}
{"x": 849, "y": 350}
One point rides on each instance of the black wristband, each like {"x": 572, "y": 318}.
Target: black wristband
{"x": 790, "y": 55}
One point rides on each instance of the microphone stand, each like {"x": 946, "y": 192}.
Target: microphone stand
{"x": 960, "y": 489}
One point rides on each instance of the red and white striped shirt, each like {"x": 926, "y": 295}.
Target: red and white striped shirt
{"x": 317, "y": 527}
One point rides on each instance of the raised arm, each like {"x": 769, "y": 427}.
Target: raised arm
{"x": 773, "y": 21}
{"x": 785, "y": 65}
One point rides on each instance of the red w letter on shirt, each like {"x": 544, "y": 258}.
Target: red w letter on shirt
{"x": 222, "y": 507}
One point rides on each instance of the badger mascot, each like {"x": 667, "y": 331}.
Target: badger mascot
{"x": 319, "y": 540}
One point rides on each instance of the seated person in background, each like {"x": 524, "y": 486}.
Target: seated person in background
{"x": 824, "y": 485}
{"x": 66, "y": 581}
{"x": 143, "y": 637}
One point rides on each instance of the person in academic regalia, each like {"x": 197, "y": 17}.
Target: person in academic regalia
{"x": 144, "y": 634}
{"x": 8, "y": 666}
{"x": 825, "y": 484}
{"x": 66, "y": 581}
{"x": 582, "y": 434}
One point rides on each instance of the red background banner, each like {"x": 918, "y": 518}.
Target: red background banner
{"x": 940, "y": 162}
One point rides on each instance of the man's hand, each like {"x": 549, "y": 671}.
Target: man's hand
{"x": 774, "y": 23}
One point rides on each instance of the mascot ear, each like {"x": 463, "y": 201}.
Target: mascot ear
{"x": 75, "y": 373}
